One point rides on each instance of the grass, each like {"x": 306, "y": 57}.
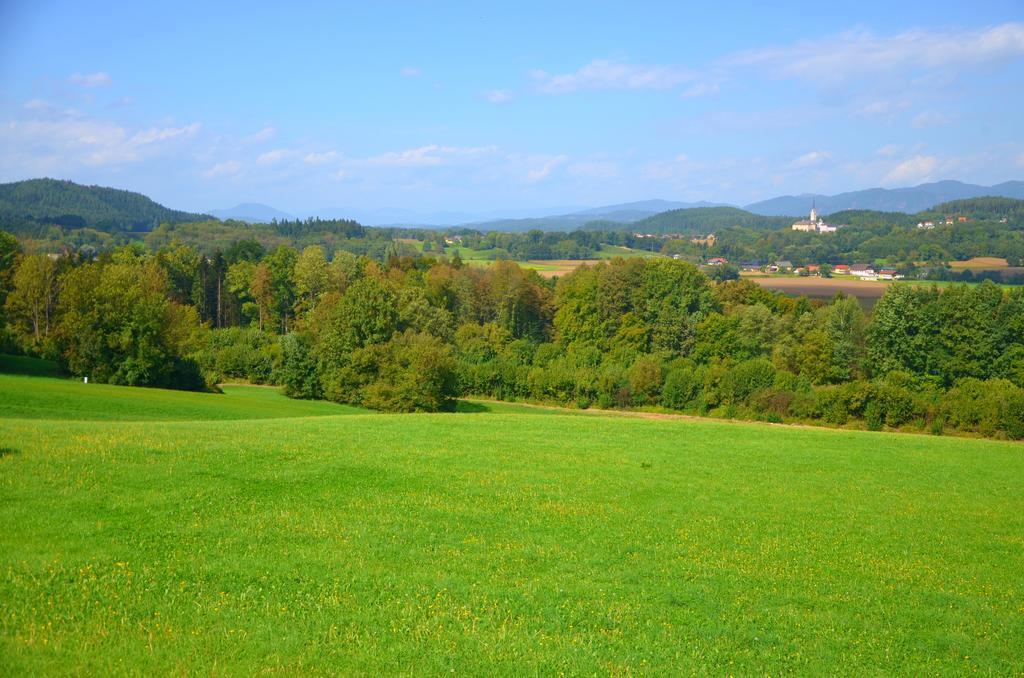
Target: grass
{"x": 498, "y": 543}
{"x": 26, "y": 397}
{"x": 15, "y": 364}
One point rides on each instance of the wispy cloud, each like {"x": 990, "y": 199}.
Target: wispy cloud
{"x": 274, "y": 157}
{"x": 320, "y": 158}
{"x": 226, "y": 168}
{"x": 930, "y": 119}
{"x": 860, "y": 53}
{"x": 90, "y": 79}
{"x": 605, "y": 74}
{"x": 544, "y": 171}
{"x": 74, "y": 140}
{"x": 498, "y": 96}
{"x": 701, "y": 89}
{"x": 883, "y": 108}
{"x": 426, "y": 156}
{"x": 265, "y": 134}
{"x": 411, "y": 72}
{"x": 810, "y": 159}
{"x": 912, "y": 170}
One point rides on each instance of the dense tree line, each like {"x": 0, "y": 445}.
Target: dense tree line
{"x": 417, "y": 332}
{"x": 28, "y": 207}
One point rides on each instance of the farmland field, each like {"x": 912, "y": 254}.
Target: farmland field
{"x": 824, "y": 288}
{"x": 498, "y": 540}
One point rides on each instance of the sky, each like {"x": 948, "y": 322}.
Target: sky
{"x": 523, "y": 106}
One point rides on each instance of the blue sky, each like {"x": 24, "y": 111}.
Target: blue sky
{"x": 529, "y": 105}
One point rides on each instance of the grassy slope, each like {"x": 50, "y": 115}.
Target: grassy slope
{"x": 501, "y": 543}
{"x": 44, "y": 398}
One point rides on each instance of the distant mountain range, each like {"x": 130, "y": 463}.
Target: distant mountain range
{"x": 907, "y": 200}
{"x": 253, "y": 212}
{"x": 28, "y": 206}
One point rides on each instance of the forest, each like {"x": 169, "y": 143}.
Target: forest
{"x": 415, "y": 332}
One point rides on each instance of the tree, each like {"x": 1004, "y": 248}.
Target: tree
{"x": 10, "y": 252}
{"x": 281, "y": 263}
{"x": 298, "y": 373}
{"x": 117, "y": 325}
{"x": 312, "y": 278}
{"x": 414, "y": 372}
{"x": 261, "y": 289}
{"x": 32, "y": 302}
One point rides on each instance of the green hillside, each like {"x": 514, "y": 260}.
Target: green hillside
{"x": 27, "y": 397}
{"x": 992, "y": 208}
{"x": 25, "y": 206}
{"x": 502, "y": 543}
{"x": 706, "y": 220}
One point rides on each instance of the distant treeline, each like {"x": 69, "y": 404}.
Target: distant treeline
{"x": 416, "y": 332}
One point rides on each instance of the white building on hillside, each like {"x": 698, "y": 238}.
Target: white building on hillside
{"x": 814, "y": 224}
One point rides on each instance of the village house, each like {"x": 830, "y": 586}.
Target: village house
{"x": 926, "y": 225}
{"x": 708, "y": 241}
{"x": 781, "y": 266}
{"x": 716, "y": 261}
{"x": 889, "y": 274}
{"x": 865, "y": 271}
{"x": 841, "y": 269}
{"x": 753, "y": 265}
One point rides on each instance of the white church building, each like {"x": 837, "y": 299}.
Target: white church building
{"x": 814, "y": 224}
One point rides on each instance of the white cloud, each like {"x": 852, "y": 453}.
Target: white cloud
{"x": 700, "y": 89}
{"x": 603, "y": 74}
{"x": 809, "y": 159}
{"x": 264, "y": 134}
{"x": 594, "y": 169}
{"x": 857, "y": 54}
{"x": 544, "y": 171}
{"x": 498, "y": 96}
{"x": 320, "y": 158}
{"x": 155, "y": 134}
{"x": 75, "y": 139}
{"x": 411, "y": 72}
{"x": 426, "y": 156}
{"x": 912, "y": 171}
{"x": 274, "y": 157}
{"x": 883, "y": 108}
{"x": 930, "y": 119}
{"x": 226, "y": 168}
{"x": 888, "y": 150}
{"x": 90, "y": 79}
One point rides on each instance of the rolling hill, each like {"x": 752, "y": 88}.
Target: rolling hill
{"x": 908, "y": 200}
{"x": 25, "y": 206}
{"x": 706, "y": 220}
{"x": 253, "y": 212}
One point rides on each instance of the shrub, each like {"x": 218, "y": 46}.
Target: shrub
{"x": 298, "y": 372}
{"x": 645, "y": 380}
{"x": 682, "y": 386}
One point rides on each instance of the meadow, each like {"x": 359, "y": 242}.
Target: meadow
{"x": 214, "y": 538}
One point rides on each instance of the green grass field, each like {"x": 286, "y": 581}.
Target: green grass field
{"x": 491, "y": 542}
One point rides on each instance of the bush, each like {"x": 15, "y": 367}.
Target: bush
{"x": 645, "y": 380}
{"x": 681, "y": 389}
{"x": 298, "y": 372}
{"x": 746, "y": 378}
{"x": 413, "y": 372}
{"x": 988, "y": 407}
